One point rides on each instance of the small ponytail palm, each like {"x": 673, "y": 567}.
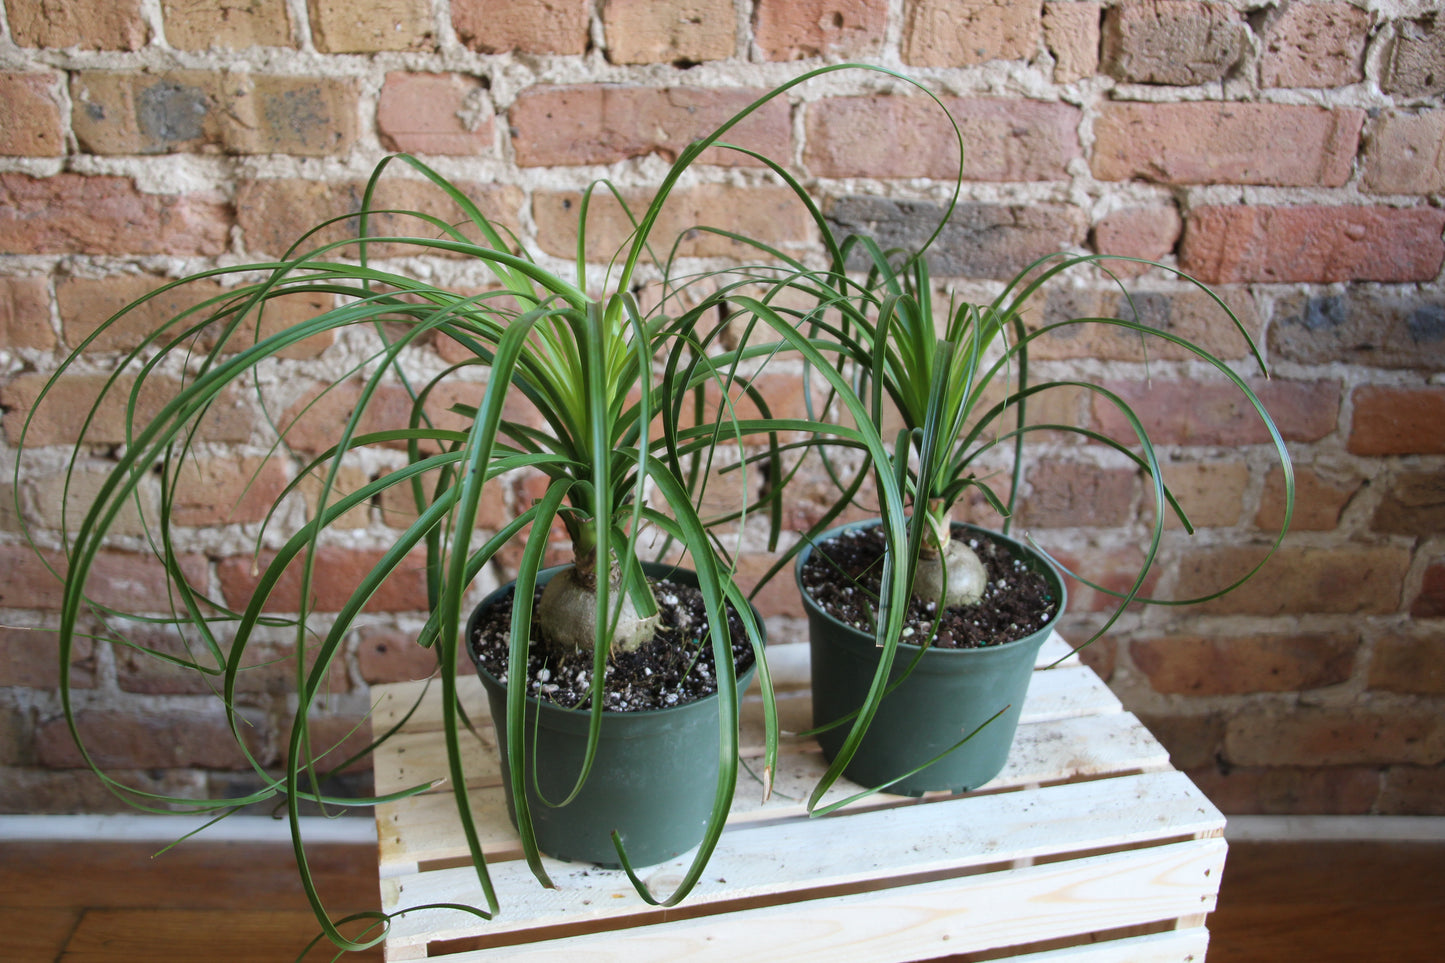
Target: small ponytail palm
{"x": 960, "y": 386}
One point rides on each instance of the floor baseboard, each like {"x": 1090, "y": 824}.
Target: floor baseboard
{"x": 1287, "y": 829}
{"x": 137, "y": 828}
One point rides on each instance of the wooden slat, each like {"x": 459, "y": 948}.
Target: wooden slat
{"x": 1176, "y": 946}
{"x": 391, "y": 702}
{"x": 924, "y": 920}
{"x": 782, "y": 861}
{"x": 426, "y": 827}
{"x": 412, "y": 758}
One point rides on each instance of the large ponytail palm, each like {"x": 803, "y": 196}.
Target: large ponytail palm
{"x": 618, "y": 438}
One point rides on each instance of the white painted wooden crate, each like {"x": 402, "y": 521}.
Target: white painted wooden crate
{"x": 1088, "y": 847}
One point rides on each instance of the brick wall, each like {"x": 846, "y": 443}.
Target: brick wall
{"x": 1293, "y": 155}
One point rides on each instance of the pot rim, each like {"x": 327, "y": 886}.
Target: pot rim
{"x": 744, "y": 679}
{"x": 943, "y": 653}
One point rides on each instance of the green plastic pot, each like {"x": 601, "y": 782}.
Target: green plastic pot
{"x": 950, "y": 693}
{"x": 653, "y": 778}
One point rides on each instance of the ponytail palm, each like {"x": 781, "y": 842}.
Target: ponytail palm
{"x": 614, "y": 430}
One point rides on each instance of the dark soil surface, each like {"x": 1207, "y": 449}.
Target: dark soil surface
{"x": 844, "y": 573}
{"x": 675, "y": 668}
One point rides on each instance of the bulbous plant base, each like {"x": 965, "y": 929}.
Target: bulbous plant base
{"x": 567, "y": 615}
{"x": 957, "y": 576}
{"x": 950, "y": 693}
{"x": 653, "y": 778}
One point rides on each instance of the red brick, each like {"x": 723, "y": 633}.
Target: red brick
{"x": 528, "y": 486}
{"x": 605, "y": 123}
{"x": 85, "y": 303}
{"x": 1216, "y": 413}
{"x": 1430, "y": 603}
{"x": 1190, "y": 314}
{"x": 1324, "y": 736}
{"x": 203, "y": 24}
{"x": 1071, "y": 33}
{"x": 1193, "y": 740}
{"x": 1415, "y": 63}
{"x": 336, "y": 575}
{"x": 1409, "y": 663}
{"x": 266, "y": 669}
{"x": 1114, "y": 570}
{"x": 1209, "y": 666}
{"x": 80, "y": 214}
{"x": 217, "y": 490}
{"x": 1004, "y": 140}
{"x": 1068, "y": 495}
{"x": 770, "y": 214}
{"x": 941, "y": 33}
{"x": 1412, "y": 791}
{"x": 811, "y": 495}
{"x": 1059, "y": 405}
{"x": 1219, "y": 143}
{"x": 779, "y": 597}
{"x": 980, "y": 240}
{"x": 30, "y": 121}
{"x": 25, "y": 314}
{"x": 30, "y": 790}
{"x": 88, "y": 24}
{"x": 31, "y": 658}
{"x": 1224, "y": 244}
{"x": 302, "y": 116}
{"x": 1314, "y": 45}
{"x": 337, "y": 738}
{"x": 1341, "y": 579}
{"x": 800, "y": 29}
{"x": 1405, "y": 153}
{"x": 121, "y": 112}
{"x": 314, "y": 423}
{"x": 60, "y": 500}
{"x": 527, "y": 26}
{"x": 1180, "y": 42}
{"x": 129, "y": 582}
{"x": 1318, "y": 501}
{"x": 1101, "y": 655}
{"x": 387, "y": 655}
{"x": 1290, "y": 790}
{"x": 150, "y": 740}
{"x": 1370, "y": 326}
{"x": 435, "y": 114}
{"x": 57, "y": 422}
{"x": 1145, "y": 232}
{"x": 1211, "y": 493}
{"x": 669, "y": 31}
{"x": 351, "y": 478}
{"x": 338, "y": 26}
{"x": 15, "y": 737}
{"x": 9, "y": 514}
{"x": 273, "y": 214}
{"x": 1413, "y": 504}
{"x": 1397, "y": 421}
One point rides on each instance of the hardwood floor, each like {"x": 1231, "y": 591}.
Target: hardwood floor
{"x": 113, "y": 902}
{"x": 1323, "y": 902}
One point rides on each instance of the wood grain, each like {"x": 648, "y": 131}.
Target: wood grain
{"x": 1327, "y": 902}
